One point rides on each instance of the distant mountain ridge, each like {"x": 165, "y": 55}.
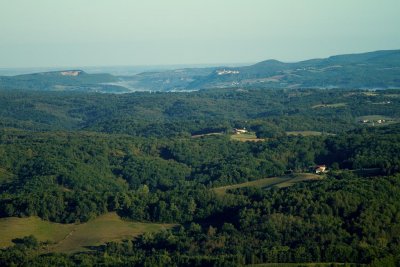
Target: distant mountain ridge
{"x": 372, "y": 70}
{"x": 65, "y": 80}
{"x": 380, "y": 69}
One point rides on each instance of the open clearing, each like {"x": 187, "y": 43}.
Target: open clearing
{"x": 281, "y": 182}
{"x": 306, "y": 133}
{"x": 14, "y": 227}
{"x": 370, "y": 93}
{"x": 207, "y": 134}
{"x": 300, "y": 177}
{"x": 375, "y": 118}
{"x": 245, "y": 137}
{"x": 74, "y": 237}
{"x": 336, "y": 105}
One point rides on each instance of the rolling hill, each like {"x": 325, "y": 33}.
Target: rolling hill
{"x": 67, "y": 80}
{"x": 372, "y": 70}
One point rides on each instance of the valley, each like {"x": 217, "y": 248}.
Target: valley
{"x": 237, "y": 176}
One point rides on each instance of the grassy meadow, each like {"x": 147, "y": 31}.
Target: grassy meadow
{"x": 335, "y": 105}
{"x": 244, "y": 137}
{"x": 282, "y": 181}
{"x": 304, "y": 133}
{"x": 74, "y": 237}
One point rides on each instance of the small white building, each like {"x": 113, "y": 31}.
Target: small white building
{"x": 240, "y": 131}
{"x": 320, "y": 169}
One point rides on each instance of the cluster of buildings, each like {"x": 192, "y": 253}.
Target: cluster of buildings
{"x": 71, "y": 73}
{"x": 377, "y": 121}
{"x": 224, "y": 72}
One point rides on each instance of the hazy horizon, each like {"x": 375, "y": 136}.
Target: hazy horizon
{"x": 57, "y": 34}
{"x": 135, "y": 69}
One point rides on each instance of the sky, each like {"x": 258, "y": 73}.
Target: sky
{"x": 54, "y": 33}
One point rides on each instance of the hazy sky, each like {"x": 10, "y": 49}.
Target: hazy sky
{"x": 48, "y": 33}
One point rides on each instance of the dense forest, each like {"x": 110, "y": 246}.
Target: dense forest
{"x": 172, "y": 114}
{"x": 68, "y": 157}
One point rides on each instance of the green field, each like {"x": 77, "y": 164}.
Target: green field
{"x": 13, "y": 227}
{"x": 370, "y": 93}
{"x": 208, "y": 134}
{"x": 300, "y": 177}
{"x": 335, "y": 105}
{"x": 304, "y": 133}
{"x": 244, "y": 137}
{"x": 283, "y": 181}
{"x": 74, "y": 237}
